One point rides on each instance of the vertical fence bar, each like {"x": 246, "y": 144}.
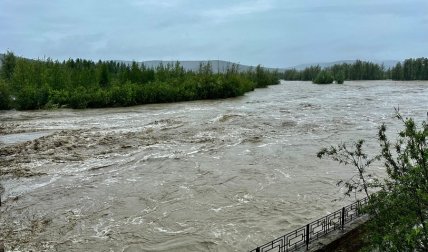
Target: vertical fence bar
{"x": 358, "y": 208}
{"x": 307, "y": 237}
{"x": 258, "y": 249}
{"x": 343, "y": 217}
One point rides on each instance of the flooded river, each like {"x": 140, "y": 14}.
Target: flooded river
{"x": 221, "y": 175}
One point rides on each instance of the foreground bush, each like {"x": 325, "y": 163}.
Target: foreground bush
{"x": 399, "y": 208}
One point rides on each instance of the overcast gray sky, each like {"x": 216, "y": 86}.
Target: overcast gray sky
{"x": 276, "y": 33}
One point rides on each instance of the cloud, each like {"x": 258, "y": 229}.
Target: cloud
{"x": 363, "y": 8}
{"x": 240, "y": 9}
{"x": 269, "y": 32}
{"x": 157, "y": 3}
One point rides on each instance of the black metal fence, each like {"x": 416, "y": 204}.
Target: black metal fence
{"x": 303, "y": 236}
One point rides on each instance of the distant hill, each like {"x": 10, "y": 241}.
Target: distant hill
{"x": 386, "y": 63}
{"x": 221, "y": 65}
{"x": 193, "y": 65}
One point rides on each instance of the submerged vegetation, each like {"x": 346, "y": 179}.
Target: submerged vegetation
{"x": 36, "y": 84}
{"x": 323, "y": 77}
{"x": 410, "y": 69}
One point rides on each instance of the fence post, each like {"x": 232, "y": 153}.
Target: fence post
{"x": 358, "y": 208}
{"x": 343, "y": 217}
{"x": 307, "y": 236}
{"x": 258, "y": 249}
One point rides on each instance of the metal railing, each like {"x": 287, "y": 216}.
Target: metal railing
{"x": 303, "y": 236}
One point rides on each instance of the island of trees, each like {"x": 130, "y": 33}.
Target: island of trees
{"x": 410, "y": 69}
{"x": 42, "y": 84}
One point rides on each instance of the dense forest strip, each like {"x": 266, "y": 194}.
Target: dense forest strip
{"x": 410, "y": 69}
{"x": 42, "y": 84}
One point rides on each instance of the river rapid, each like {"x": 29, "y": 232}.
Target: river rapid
{"x": 217, "y": 175}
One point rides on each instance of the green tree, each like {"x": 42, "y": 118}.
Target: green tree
{"x": 136, "y": 75}
{"x": 310, "y": 73}
{"x": 397, "y": 72}
{"x": 291, "y": 74}
{"x": 323, "y": 77}
{"x": 399, "y": 208}
{"x": 7, "y": 66}
{"x": 4, "y": 95}
{"x": 148, "y": 74}
{"x": 339, "y": 77}
{"x": 103, "y": 75}
{"x": 359, "y": 159}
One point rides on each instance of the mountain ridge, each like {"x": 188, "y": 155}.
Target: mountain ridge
{"x": 222, "y": 65}
{"x": 193, "y": 65}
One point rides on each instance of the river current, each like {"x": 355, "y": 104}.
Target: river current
{"x": 217, "y": 175}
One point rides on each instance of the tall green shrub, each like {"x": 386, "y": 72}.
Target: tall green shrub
{"x": 5, "y": 98}
{"x": 399, "y": 208}
{"x": 323, "y": 77}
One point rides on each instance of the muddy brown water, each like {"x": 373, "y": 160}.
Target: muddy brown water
{"x": 222, "y": 175}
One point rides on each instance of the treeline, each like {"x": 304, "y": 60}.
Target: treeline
{"x": 36, "y": 84}
{"x": 411, "y": 69}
